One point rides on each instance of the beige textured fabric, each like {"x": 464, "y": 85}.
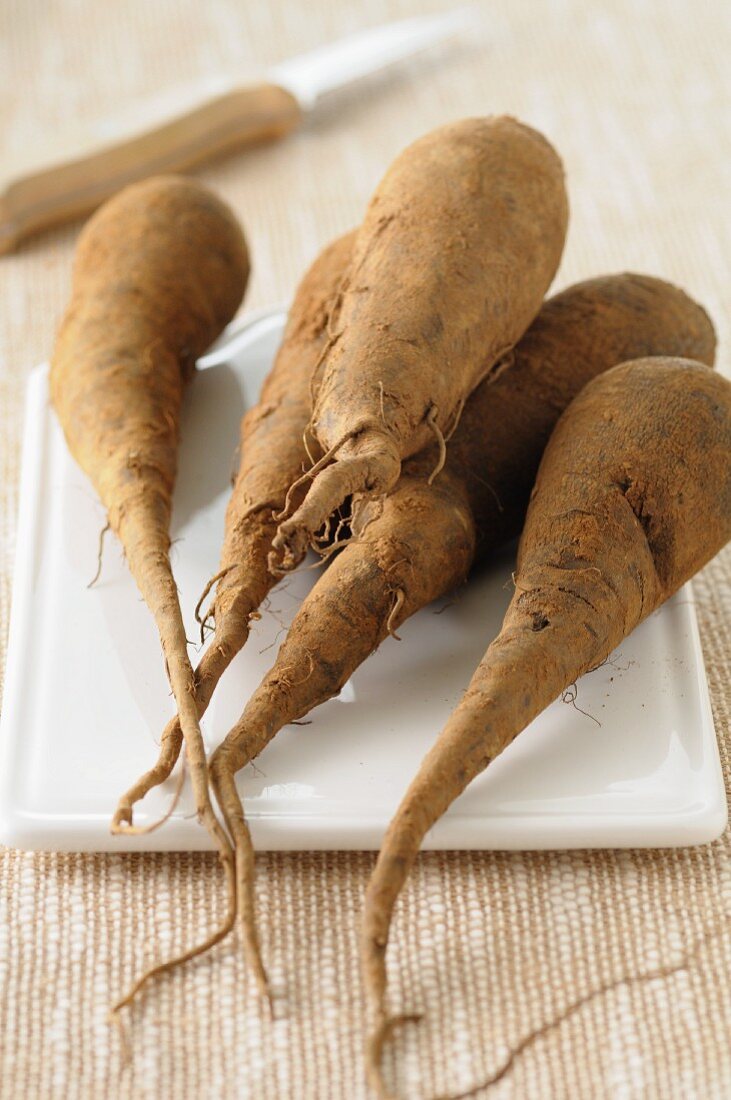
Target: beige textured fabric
{"x": 637, "y": 96}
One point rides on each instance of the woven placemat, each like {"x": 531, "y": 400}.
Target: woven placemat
{"x": 587, "y": 974}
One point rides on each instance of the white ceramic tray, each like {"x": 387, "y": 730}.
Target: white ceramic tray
{"x": 86, "y": 697}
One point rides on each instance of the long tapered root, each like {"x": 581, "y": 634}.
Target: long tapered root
{"x": 127, "y": 828}
{"x": 377, "y": 920}
{"x": 397, "y": 855}
{"x": 182, "y": 682}
{"x": 215, "y": 938}
{"x": 211, "y": 823}
{"x": 147, "y": 300}
{"x": 170, "y": 746}
{"x": 370, "y": 464}
{"x": 224, "y": 785}
{"x": 379, "y": 1035}
{"x": 231, "y": 635}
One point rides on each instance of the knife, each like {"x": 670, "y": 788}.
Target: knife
{"x": 234, "y": 118}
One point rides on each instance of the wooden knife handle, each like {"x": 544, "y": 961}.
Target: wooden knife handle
{"x": 240, "y": 118}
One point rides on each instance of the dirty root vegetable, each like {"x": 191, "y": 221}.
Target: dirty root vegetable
{"x": 273, "y": 453}
{"x": 459, "y": 244}
{"x": 159, "y": 271}
{"x": 421, "y": 541}
{"x": 633, "y": 496}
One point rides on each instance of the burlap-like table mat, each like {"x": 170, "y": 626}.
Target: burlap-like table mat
{"x": 492, "y": 946}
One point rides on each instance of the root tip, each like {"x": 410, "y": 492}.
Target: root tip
{"x": 262, "y": 979}
{"x": 384, "y": 1027}
{"x": 122, "y": 821}
{"x": 265, "y": 991}
{"x": 288, "y": 550}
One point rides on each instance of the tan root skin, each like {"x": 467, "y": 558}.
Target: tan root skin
{"x": 159, "y": 271}
{"x": 458, "y": 247}
{"x": 421, "y": 540}
{"x": 633, "y": 496}
{"x": 272, "y": 454}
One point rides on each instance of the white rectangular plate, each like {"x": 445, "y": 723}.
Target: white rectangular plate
{"x": 633, "y": 763}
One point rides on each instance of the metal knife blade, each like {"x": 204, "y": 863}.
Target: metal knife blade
{"x": 313, "y": 74}
{"x": 227, "y": 117}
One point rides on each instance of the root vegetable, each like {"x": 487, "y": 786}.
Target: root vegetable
{"x": 633, "y": 496}
{"x": 459, "y": 244}
{"x": 159, "y": 271}
{"x": 272, "y": 452}
{"x": 421, "y": 541}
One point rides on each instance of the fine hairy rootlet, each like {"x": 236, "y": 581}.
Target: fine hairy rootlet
{"x": 159, "y": 271}
{"x": 633, "y": 496}
{"x": 421, "y": 541}
{"x": 459, "y": 245}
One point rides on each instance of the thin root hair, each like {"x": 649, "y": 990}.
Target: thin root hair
{"x": 432, "y": 422}
{"x": 398, "y": 604}
{"x": 98, "y": 573}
